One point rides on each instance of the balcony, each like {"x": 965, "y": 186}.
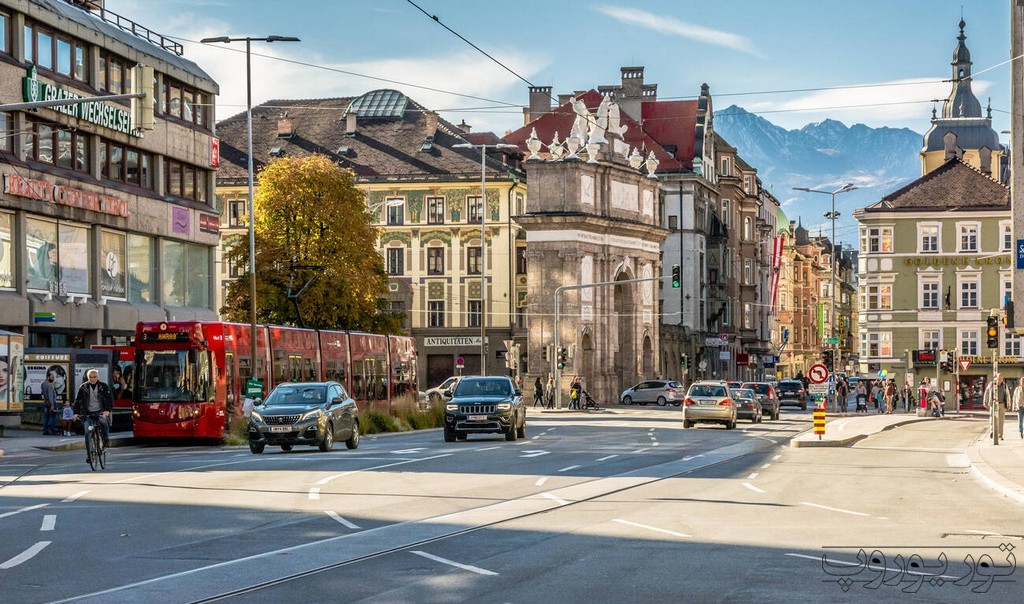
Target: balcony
{"x": 96, "y": 8}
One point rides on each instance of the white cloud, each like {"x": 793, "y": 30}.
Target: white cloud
{"x": 674, "y": 27}
{"x": 898, "y": 103}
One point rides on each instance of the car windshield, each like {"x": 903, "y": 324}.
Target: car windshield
{"x": 743, "y": 393}
{"x": 708, "y": 391}
{"x": 789, "y": 386}
{"x": 299, "y": 394}
{"x": 483, "y": 388}
{"x": 758, "y": 388}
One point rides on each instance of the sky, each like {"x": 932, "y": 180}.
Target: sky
{"x": 876, "y": 62}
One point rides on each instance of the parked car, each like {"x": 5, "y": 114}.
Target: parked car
{"x": 747, "y": 405}
{"x": 791, "y": 392}
{"x": 652, "y": 391}
{"x": 442, "y": 391}
{"x": 483, "y": 405}
{"x": 768, "y": 396}
{"x": 709, "y": 402}
{"x": 309, "y": 413}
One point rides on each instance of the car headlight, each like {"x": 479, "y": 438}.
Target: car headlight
{"x": 256, "y": 416}
{"x": 451, "y": 407}
{"x": 504, "y": 406}
{"x": 311, "y": 414}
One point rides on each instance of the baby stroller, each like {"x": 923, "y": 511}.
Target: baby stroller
{"x": 862, "y": 403}
{"x": 588, "y": 402}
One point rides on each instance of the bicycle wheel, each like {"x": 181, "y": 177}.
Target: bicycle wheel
{"x": 91, "y": 447}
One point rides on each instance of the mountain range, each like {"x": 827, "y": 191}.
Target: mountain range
{"x": 823, "y": 155}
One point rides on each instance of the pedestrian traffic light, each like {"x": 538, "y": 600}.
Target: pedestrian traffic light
{"x": 993, "y": 331}
{"x": 675, "y": 276}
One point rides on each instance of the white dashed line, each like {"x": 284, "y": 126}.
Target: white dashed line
{"x": 540, "y": 481}
{"x": 74, "y": 497}
{"x": 650, "y": 528}
{"x": 655, "y": 444}
{"x": 488, "y": 448}
{"x": 49, "y": 521}
{"x": 607, "y": 457}
{"x": 825, "y": 507}
{"x": 314, "y": 493}
{"x": 28, "y": 509}
{"x": 567, "y": 468}
{"x": 752, "y": 476}
{"x": 555, "y": 498}
{"x": 472, "y": 569}
{"x": 753, "y": 488}
{"x": 24, "y": 556}
{"x": 777, "y": 458}
{"x": 642, "y": 450}
{"x": 338, "y": 518}
{"x": 766, "y": 466}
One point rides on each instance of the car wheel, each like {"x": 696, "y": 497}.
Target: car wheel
{"x": 803, "y": 406}
{"x": 353, "y": 441}
{"x": 327, "y": 442}
{"x": 521, "y": 433}
{"x": 661, "y": 401}
{"x": 731, "y": 424}
{"x": 627, "y": 400}
{"x": 461, "y": 436}
{"x": 687, "y": 423}
{"x": 511, "y": 434}
{"x": 286, "y": 448}
{"x": 256, "y": 448}
{"x": 449, "y": 436}
{"x": 775, "y": 416}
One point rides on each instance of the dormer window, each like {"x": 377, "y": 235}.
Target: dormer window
{"x": 277, "y": 152}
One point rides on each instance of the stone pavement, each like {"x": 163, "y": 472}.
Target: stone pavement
{"x": 1000, "y": 467}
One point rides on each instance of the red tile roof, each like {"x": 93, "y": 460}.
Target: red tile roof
{"x": 952, "y": 186}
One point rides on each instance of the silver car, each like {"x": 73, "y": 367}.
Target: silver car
{"x": 661, "y": 392}
{"x": 709, "y": 402}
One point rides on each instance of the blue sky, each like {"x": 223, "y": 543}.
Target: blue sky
{"x": 899, "y": 50}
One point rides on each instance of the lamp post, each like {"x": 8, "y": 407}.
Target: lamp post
{"x": 832, "y": 215}
{"x": 252, "y": 214}
{"x": 483, "y": 241}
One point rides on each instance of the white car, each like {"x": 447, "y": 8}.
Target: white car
{"x": 443, "y": 391}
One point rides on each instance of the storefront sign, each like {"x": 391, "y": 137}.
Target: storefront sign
{"x": 101, "y": 113}
{"x": 214, "y": 152}
{"x": 957, "y": 260}
{"x": 452, "y": 341}
{"x": 742, "y": 358}
{"x": 179, "y": 220}
{"x": 209, "y": 223}
{"x": 987, "y": 360}
{"x": 32, "y": 188}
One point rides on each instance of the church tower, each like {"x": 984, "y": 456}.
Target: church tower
{"x": 962, "y": 131}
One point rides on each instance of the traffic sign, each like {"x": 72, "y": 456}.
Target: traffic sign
{"x": 460, "y": 362}
{"x": 817, "y": 374}
{"x": 832, "y": 341}
{"x": 253, "y": 388}
{"x": 964, "y": 364}
{"x": 818, "y": 388}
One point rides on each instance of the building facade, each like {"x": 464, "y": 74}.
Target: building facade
{"x": 105, "y": 221}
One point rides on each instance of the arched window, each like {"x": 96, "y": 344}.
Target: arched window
{"x": 748, "y": 228}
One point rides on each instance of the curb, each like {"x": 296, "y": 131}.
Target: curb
{"x": 796, "y": 443}
{"x": 989, "y": 477}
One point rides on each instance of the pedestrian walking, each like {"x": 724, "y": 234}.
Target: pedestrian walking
{"x": 997, "y": 401}
{"x": 538, "y": 393}
{"x": 1018, "y": 406}
{"x": 550, "y": 390}
{"x": 50, "y": 410}
{"x": 888, "y": 395}
{"x": 876, "y": 396}
{"x": 67, "y": 419}
{"x": 862, "y": 397}
{"x": 574, "y": 392}
{"x": 908, "y": 397}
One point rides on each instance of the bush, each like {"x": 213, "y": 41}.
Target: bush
{"x": 405, "y": 415}
{"x": 237, "y": 433}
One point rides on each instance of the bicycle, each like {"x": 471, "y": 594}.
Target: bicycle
{"x": 95, "y": 452}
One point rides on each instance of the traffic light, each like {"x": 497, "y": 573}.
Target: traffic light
{"x": 562, "y": 355}
{"x": 993, "y": 331}
{"x": 682, "y": 360}
{"x": 827, "y": 358}
{"x": 675, "y": 276}
{"x": 544, "y": 352}
{"x": 1008, "y": 313}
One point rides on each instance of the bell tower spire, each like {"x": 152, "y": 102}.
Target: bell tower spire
{"x": 961, "y": 101}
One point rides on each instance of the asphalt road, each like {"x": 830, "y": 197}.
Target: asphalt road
{"x": 624, "y": 506}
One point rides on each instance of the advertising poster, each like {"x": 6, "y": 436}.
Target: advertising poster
{"x": 113, "y": 283}
{"x": 37, "y": 366}
{"x": 43, "y": 265}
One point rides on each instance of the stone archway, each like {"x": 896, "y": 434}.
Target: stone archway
{"x": 625, "y": 308}
{"x": 649, "y": 370}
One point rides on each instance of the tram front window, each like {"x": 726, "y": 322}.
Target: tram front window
{"x": 172, "y": 375}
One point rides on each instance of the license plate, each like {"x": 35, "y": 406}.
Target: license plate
{"x": 477, "y": 418}
{"x": 280, "y": 428}
{"x": 708, "y": 402}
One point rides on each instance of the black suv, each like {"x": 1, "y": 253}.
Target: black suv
{"x": 308, "y": 413}
{"x": 482, "y": 405}
{"x": 767, "y": 396}
{"x": 791, "y": 392}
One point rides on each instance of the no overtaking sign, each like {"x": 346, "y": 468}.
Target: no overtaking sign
{"x": 817, "y": 374}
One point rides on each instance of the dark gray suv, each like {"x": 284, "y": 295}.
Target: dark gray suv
{"x": 767, "y": 396}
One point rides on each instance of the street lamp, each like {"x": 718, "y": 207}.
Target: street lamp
{"x": 832, "y": 215}
{"x": 252, "y": 214}
{"x": 483, "y": 241}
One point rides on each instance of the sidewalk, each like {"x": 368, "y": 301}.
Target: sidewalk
{"x": 1000, "y": 467}
{"x": 22, "y": 440}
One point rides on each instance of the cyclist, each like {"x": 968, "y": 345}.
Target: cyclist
{"x": 95, "y": 401}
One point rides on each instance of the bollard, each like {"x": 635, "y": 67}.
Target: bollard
{"x": 819, "y": 421}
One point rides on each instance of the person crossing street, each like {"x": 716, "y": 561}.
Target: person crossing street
{"x": 997, "y": 401}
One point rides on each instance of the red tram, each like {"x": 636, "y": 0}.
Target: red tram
{"x": 190, "y": 376}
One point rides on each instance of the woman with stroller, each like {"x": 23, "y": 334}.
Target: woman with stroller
{"x": 862, "y": 397}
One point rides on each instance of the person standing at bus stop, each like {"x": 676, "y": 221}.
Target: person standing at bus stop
{"x": 50, "y": 410}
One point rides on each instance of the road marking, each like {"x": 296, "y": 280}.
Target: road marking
{"x": 607, "y": 457}
{"x": 777, "y": 458}
{"x": 753, "y": 488}
{"x": 689, "y": 457}
{"x": 49, "y": 521}
{"x": 74, "y": 497}
{"x": 314, "y": 493}
{"x": 655, "y": 444}
{"x": 380, "y": 467}
{"x": 341, "y": 520}
{"x": 650, "y": 528}
{"x": 532, "y": 453}
{"x": 28, "y": 509}
{"x": 567, "y": 468}
{"x": 472, "y": 569}
{"x": 406, "y": 451}
{"x": 540, "y": 481}
{"x": 752, "y": 476}
{"x": 555, "y": 498}
{"x": 25, "y": 555}
{"x": 825, "y": 507}
{"x": 766, "y": 466}
{"x": 488, "y": 448}
{"x": 642, "y": 450}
